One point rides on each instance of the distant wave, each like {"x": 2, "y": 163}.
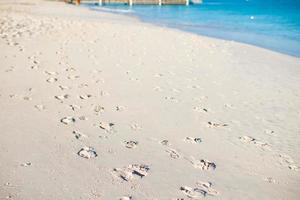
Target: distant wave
{"x": 113, "y": 10}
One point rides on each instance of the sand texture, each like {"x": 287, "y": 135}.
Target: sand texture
{"x": 101, "y": 106}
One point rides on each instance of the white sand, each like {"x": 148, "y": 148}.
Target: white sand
{"x": 87, "y": 100}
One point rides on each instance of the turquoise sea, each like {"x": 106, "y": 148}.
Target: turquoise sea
{"x": 271, "y": 24}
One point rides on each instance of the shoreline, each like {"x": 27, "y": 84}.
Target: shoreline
{"x": 172, "y": 26}
{"x": 135, "y": 19}
{"x": 99, "y": 106}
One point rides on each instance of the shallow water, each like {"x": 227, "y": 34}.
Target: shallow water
{"x": 271, "y": 24}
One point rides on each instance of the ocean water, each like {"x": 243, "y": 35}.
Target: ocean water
{"x": 271, "y": 24}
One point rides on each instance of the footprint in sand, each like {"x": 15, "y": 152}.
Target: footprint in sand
{"x": 270, "y": 180}
{"x": 120, "y": 108}
{"x": 131, "y": 144}
{"x": 175, "y": 90}
{"x": 104, "y": 93}
{"x": 247, "y": 139}
{"x": 132, "y": 171}
{"x": 96, "y": 71}
{"x": 103, "y": 137}
{"x": 106, "y": 126}
{"x": 51, "y": 80}
{"x": 200, "y": 99}
{"x": 10, "y": 69}
{"x": 34, "y": 67}
{"x": 134, "y": 79}
{"x": 207, "y": 187}
{"x": 193, "y": 140}
{"x": 229, "y": 106}
{"x": 213, "y": 124}
{"x": 87, "y": 152}
{"x": 70, "y": 69}
{"x": 13, "y": 96}
{"x": 287, "y": 160}
{"x": 83, "y": 118}
{"x": 62, "y": 97}
{"x": 294, "y": 167}
{"x": 165, "y": 142}
{"x": 172, "y": 99}
{"x": 135, "y": 127}
{"x": 251, "y": 140}
{"x": 85, "y": 96}
{"x": 203, "y": 164}
{"x": 100, "y": 81}
{"x": 40, "y": 107}
{"x": 78, "y": 135}
{"x": 98, "y": 109}
{"x": 62, "y": 87}
{"x": 201, "y": 190}
{"x": 200, "y": 109}
{"x": 158, "y": 89}
{"x": 75, "y": 107}
{"x": 269, "y": 132}
{"x": 26, "y": 98}
{"x": 26, "y": 164}
{"x": 193, "y": 86}
{"x": 83, "y": 85}
{"x": 126, "y": 198}
{"x": 8, "y": 184}
{"x": 173, "y": 153}
{"x": 67, "y": 120}
{"x": 73, "y": 77}
{"x": 50, "y": 73}
{"x": 158, "y": 75}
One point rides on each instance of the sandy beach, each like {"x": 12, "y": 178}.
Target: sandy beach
{"x": 96, "y": 105}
